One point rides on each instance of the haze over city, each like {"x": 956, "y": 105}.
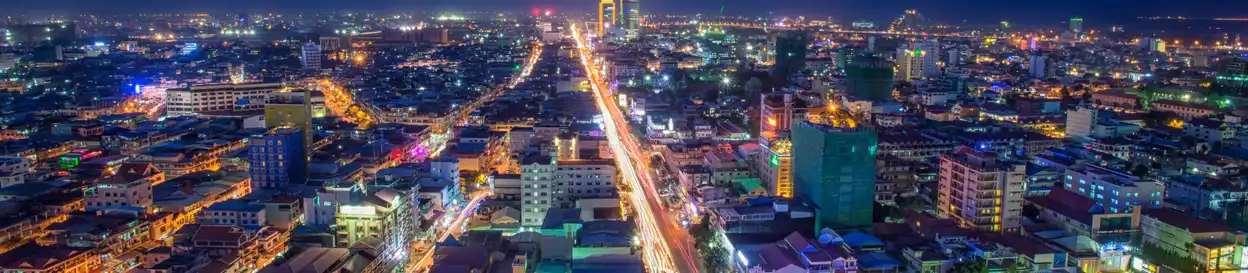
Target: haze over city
{"x": 474, "y": 136}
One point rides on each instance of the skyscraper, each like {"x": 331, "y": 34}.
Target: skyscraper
{"x": 278, "y": 158}
{"x": 311, "y": 56}
{"x": 834, "y": 169}
{"x": 1040, "y": 66}
{"x": 869, "y": 77}
{"x": 774, "y": 164}
{"x": 979, "y": 190}
{"x": 607, "y": 16}
{"x": 790, "y": 56}
{"x": 909, "y": 64}
{"x": 290, "y": 109}
{"x": 1076, "y": 24}
{"x": 632, "y": 17}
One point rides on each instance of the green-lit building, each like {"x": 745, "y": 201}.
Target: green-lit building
{"x": 869, "y": 77}
{"x": 834, "y": 170}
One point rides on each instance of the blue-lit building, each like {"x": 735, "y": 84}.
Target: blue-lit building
{"x": 278, "y": 158}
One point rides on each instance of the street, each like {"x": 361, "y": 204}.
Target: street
{"x": 666, "y": 244}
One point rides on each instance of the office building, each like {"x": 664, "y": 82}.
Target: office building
{"x": 1152, "y": 44}
{"x": 773, "y": 165}
{"x": 834, "y": 170}
{"x": 919, "y": 61}
{"x": 846, "y": 55}
{"x": 780, "y": 111}
{"x": 311, "y": 56}
{"x": 1081, "y": 121}
{"x": 214, "y": 99}
{"x": 293, "y": 108}
{"x": 547, "y": 183}
{"x": 330, "y": 43}
{"x": 980, "y": 190}
{"x": 870, "y": 77}
{"x": 790, "y": 48}
{"x": 912, "y": 20}
{"x": 632, "y": 17}
{"x": 607, "y": 16}
{"x": 909, "y": 64}
{"x": 1040, "y": 67}
{"x": 1076, "y": 25}
{"x": 279, "y": 158}
{"x": 1114, "y": 190}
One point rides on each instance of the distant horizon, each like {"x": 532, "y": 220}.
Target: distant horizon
{"x": 1022, "y": 13}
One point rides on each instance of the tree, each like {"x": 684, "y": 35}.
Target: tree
{"x": 971, "y": 266}
{"x": 1140, "y": 170}
{"x": 753, "y": 87}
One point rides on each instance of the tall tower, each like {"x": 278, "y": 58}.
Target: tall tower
{"x": 980, "y": 190}
{"x": 632, "y": 17}
{"x": 607, "y": 16}
{"x": 311, "y": 56}
{"x": 790, "y": 56}
{"x": 834, "y": 169}
{"x": 1076, "y": 24}
{"x": 869, "y": 76}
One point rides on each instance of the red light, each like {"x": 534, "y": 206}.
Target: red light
{"x": 547, "y": 12}
{"x": 398, "y": 154}
{"x": 536, "y": 12}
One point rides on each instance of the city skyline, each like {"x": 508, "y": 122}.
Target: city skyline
{"x": 950, "y": 11}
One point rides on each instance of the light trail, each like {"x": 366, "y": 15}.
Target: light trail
{"x": 456, "y": 227}
{"x": 659, "y": 232}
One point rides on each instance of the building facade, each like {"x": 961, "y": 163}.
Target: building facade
{"x": 979, "y": 190}
{"x": 834, "y": 169}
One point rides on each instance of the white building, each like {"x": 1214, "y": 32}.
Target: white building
{"x": 15, "y": 164}
{"x": 559, "y": 184}
{"x": 311, "y": 56}
{"x": 1038, "y": 66}
{"x": 7, "y": 61}
{"x": 131, "y": 186}
{"x": 239, "y": 213}
{"x": 198, "y": 100}
{"x": 1079, "y": 122}
{"x": 1114, "y": 190}
{"x": 979, "y": 191}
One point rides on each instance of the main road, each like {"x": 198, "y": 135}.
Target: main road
{"x": 666, "y": 244}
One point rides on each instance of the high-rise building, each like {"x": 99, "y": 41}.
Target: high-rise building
{"x": 311, "y": 56}
{"x": 912, "y": 20}
{"x": 632, "y": 17}
{"x": 909, "y": 64}
{"x": 919, "y": 61}
{"x": 869, "y": 77}
{"x": 278, "y": 158}
{"x": 1080, "y": 121}
{"x": 980, "y": 190}
{"x": 293, "y": 109}
{"x": 834, "y": 170}
{"x": 547, "y": 183}
{"x": 1076, "y": 24}
{"x": 607, "y": 16}
{"x": 790, "y": 56}
{"x": 1039, "y": 67}
{"x": 774, "y": 164}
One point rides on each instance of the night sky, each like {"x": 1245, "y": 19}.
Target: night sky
{"x": 1021, "y": 11}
